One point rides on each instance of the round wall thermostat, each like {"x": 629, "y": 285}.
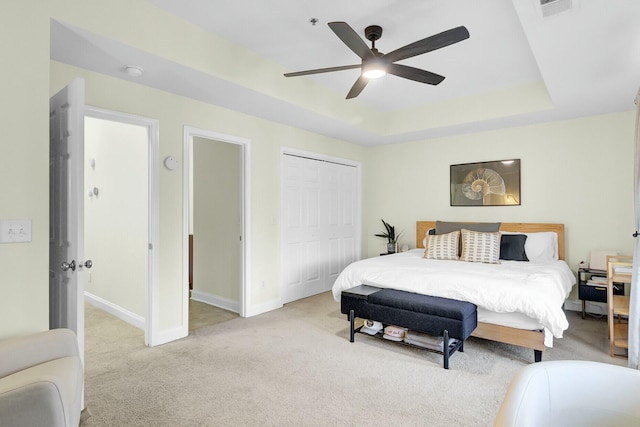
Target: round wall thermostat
{"x": 170, "y": 163}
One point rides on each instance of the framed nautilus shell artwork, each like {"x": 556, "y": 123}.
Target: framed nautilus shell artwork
{"x": 494, "y": 183}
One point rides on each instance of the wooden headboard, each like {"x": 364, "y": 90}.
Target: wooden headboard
{"x": 423, "y": 226}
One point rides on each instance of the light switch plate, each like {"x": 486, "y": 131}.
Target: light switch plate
{"x": 15, "y": 230}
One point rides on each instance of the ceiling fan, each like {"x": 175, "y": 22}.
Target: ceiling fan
{"x": 375, "y": 64}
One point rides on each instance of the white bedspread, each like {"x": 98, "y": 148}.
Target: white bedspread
{"x": 537, "y": 290}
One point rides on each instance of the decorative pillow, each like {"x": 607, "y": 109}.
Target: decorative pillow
{"x": 443, "y": 227}
{"x": 442, "y": 246}
{"x": 542, "y": 247}
{"x": 480, "y": 247}
{"x": 512, "y": 247}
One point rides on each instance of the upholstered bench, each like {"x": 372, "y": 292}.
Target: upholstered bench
{"x": 443, "y": 317}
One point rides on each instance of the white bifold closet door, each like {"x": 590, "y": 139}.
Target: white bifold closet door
{"x": 319, "y": 205}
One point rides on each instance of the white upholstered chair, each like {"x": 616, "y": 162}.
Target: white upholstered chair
{"x": 41, "y": 380}
{"x": 572, "y": 393}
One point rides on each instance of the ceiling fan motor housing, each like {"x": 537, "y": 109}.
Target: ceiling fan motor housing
{"x": 373, "y": 32}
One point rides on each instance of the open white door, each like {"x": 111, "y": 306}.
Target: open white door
{"x": 66, "y": 212}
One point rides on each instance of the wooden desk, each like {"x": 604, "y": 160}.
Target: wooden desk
{"x": 618, "y": 271}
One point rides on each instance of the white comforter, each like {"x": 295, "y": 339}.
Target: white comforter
{"x": 537, "y": 290}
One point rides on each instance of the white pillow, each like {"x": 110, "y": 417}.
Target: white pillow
{"x": 541, "y": 247}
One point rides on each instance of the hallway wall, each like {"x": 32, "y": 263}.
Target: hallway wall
{"x": 116, "y": 219}
{"x": 216, "y": 221}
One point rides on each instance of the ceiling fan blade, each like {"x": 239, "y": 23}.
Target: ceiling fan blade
{"x": 322, "y": 70}
{"x": 357, "y": 87}
{"x": 434, "y": 42}
{"x": 415, "y": 74}
{"x": 351, "y": 39}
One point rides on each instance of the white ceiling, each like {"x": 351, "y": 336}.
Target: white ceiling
{"x": 587, "y": 59}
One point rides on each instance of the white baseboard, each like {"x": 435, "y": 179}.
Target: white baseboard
{"x": 598, "y": 308}
{"x": 234, "y": 306}
{"x": 216, "y": 301}
{"x": 263, "y": 308}
{"x": 169, "y": 335}
{"x": 111, "y": 308}
{"x": 573, "y": 305}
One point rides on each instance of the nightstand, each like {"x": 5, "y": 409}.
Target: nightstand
{"x": 592, "y": 286}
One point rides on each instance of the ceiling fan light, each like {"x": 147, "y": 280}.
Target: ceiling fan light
{"x": 374, "y": 73}
{"x": 374, "y": 69}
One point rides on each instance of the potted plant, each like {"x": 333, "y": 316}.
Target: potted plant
{"x": 391, "y": 236}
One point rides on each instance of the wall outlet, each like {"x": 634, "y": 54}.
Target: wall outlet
{"x": 15, "y": 230}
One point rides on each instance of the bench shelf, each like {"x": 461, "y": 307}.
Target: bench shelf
{"x": 454, "y": 344}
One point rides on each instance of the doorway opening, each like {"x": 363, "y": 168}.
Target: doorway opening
{"x": 214, "y": 227}
{"x": 121, "y": 216}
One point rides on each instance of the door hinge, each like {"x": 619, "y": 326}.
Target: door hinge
{"x": 150, "y": 246}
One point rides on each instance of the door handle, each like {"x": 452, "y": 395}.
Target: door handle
{"x": 72, "y": 265}
{"x": 66, "y": 266}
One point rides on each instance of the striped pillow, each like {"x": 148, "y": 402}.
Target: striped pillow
{"x": 442, "y": 246}
{"x": 480, "y": 247}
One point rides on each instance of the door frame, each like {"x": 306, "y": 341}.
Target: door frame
{"x": 151, "y": 318}
{"x": 358, "y": 214}
{"x": 244, "y": 144}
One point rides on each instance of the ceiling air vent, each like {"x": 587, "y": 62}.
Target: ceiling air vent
{"x": 553, "y": 7}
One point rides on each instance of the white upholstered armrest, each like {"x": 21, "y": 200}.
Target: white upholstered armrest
{"x": 20, "y": 353}
{"x": 572, "y": 393}
{"x": 41, "y": 380}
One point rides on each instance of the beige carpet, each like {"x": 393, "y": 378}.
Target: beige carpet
{"x": 296, "y": 367}
{"x": 202, "y": 315}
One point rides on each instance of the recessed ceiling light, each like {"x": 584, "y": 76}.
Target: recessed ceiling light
{"x": 133, "y": 71}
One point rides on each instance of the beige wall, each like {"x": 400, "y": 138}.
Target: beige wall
{"x": 576, "y": 172}
{"x": 116, "y": 220}
{"x": 216, "y": 219}
{"x": 24, "y": 165}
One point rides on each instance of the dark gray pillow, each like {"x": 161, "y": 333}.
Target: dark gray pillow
{"x": 512, "y": 247}
{"x": 443, "y": 227}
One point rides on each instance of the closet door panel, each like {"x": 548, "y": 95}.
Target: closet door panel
{"x": 291, "y": 225}
{"x": 301, "y": 229}
{"x": 348, "y": 211}
{"x": 341, "y": 206}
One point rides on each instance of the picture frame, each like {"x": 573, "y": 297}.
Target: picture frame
{"x": 494, "y": 183}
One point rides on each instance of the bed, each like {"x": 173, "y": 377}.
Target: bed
{"x": 519, "y": 303}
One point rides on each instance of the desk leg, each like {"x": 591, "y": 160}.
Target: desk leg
{"x": 583, "y": 307}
